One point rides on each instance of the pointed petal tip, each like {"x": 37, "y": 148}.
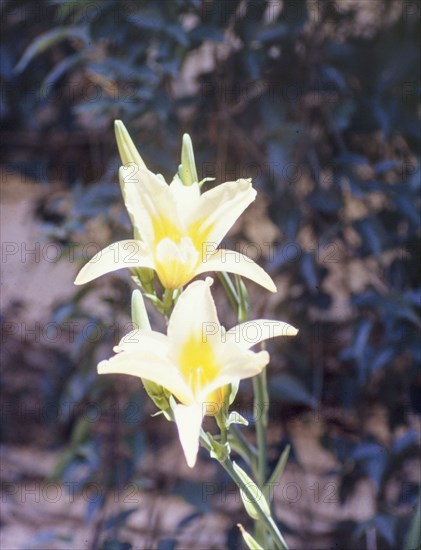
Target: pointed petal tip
{"x": 188, "y": 419}
{"x": 287, "y": 329}
{"x": 234, "y": 262}
{"x": 119, "y": 129}
{"x": 80, "y": 279}
{"x": 191, "y": 461}
{"x": 272, "y": 287}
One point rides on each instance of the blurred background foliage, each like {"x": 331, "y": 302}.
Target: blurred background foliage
{"x": 318, "y": 102}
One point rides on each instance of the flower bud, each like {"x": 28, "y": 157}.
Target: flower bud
{"x": 140, "y": 319}
{"x": 126, "y": 147}
{"x": 252, "y": 544}
{"x": 187, "y": 169}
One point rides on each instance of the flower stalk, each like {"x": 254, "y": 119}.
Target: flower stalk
{"x": 194, "y": 370}
{"x": 261, "y": 402}
{"x": 267, "y": 521}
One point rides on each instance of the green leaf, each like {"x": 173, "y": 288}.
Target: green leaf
{"x": 59, "y": 70}
{"x": 48, "y": 39}
{"x": 255, "y": 491}
{"x": 80, "y": 431}
{"x": 62, "y": 463}
{"x": 280, "y": 466}
{"x": 271, "y": 33}
{"x": 235, "y": 418}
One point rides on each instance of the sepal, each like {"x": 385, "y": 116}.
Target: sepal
{"x": 219, "y": 451}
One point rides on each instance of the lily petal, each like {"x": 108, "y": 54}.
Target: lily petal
{"x": 175, "y": 263}
{"x": 144, "y": 340}
{"x": 252, "y": 332}
{"x": 239, "y": 364}
{"x": 150, "y": 203}
{"x": 194, "y": 314}
{"x": 189, "y": 420}
{"x": 187, "y": 197}
{"x": 150, "y": 366}
{"x": 129, "y": 253}
{"x": 219, "y": 208}
{"x": 234, "y": 262}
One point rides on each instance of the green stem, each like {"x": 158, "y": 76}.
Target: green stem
{"x": 240, "y": 302}
{"x": 240, "y": 444}
{"x": 229, "y": 289}
{"x": 146, "y": 278}
{"x": 261, "y": 411}
{"x": 267, "y": 522}
{"x": 243, "y": 306}
{"x": 221, "y": 421}
{"x": 167, "y": 301}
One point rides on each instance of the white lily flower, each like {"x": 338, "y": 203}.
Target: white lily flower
{"x": 196, "y": 360}
{"x": 179, "y": 228}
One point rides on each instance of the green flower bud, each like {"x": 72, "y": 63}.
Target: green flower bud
{"x": 187, "y": 169}
{"x": 248, "y": 539}
{"x": 140, "y": 320}
{"x": 126, "y": 147}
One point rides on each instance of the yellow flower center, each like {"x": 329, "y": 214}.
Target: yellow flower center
{"x": 199, "y": 234}
{"x": 198, "y": 367}
{"x": 164, "y": 227}
{"x": 177, "y": 264}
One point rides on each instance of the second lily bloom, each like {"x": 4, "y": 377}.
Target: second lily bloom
{"x": 197, "y": 360}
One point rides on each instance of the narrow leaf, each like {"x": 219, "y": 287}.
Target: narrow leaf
{"x": 48, "y": 39}
{"x": 255, "y": 491}
{"x": 280, "y": 466}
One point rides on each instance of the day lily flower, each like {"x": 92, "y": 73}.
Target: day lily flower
{"x": 197, "y": 359}
{"x": 177, "y": 229}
